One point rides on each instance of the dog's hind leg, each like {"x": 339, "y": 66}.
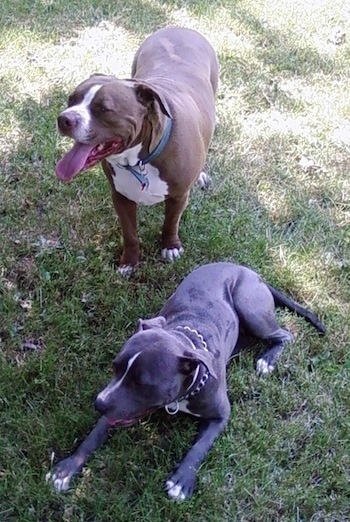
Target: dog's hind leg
{"x": 255, "y": 307}
{"x": 267, "y": 362}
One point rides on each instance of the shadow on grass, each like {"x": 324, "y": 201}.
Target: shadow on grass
{"x": 279, "y": 51}
{"x": 53, "y": 21}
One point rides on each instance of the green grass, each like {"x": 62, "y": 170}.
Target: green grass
{"x": 65, "y": 312}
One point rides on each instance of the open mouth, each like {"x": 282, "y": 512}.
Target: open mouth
{"x": 82, "y": 157}
{"x": 119, "y": 422}
{"x": 128, "y": 422}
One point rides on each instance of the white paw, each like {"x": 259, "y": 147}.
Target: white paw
{"x": 170, "y": 254}
{"x": 174, "y": 490}
{"x": 203, "y": 180}
{"x": 59, "y": 483}
{"x": 126, "y": 270}
{"x": 264, "y": 367}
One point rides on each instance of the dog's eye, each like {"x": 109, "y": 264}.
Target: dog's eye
{"x": 102, "y": 108}
{"x": 138, "y": 379}
{"x": 141, "y": 382}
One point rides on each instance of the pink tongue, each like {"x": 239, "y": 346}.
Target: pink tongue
{"x": 73, "y": 162}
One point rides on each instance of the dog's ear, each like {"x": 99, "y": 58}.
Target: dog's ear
{"x": 189, "y": 361}
{"x": 147, "y": 324}
{"x": 147, "y": 96}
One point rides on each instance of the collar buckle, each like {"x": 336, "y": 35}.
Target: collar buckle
{"x": 138, "y": 170}
{"x": 172, "y": 408}
{"x": 141, "y": 165}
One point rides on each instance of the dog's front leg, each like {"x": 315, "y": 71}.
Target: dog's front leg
{"x": 126, "y": 212}
{"x": 181, "y": 484}
{"x": 63, "y": 473}
{"x": 171, "y": 244}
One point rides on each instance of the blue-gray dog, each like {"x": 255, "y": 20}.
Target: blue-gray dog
{"x": 177, "y": 361}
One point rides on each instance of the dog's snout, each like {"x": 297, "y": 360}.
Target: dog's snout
{"x": 67, "y": 122}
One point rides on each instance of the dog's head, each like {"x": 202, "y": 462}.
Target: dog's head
{"x": 153, "y": 369}
{"x": 105, "y": 116}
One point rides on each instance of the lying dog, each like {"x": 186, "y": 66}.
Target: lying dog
{"x": 178, "y": 359}
{"x": 151, "y": 132}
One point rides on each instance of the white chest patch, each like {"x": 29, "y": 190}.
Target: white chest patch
{"x": 144, "y": 191}
{"x": 183, "y": 406}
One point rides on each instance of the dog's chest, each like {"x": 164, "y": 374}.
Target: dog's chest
{"x": 183, "y": 406}
{"x": 142, "y": 185}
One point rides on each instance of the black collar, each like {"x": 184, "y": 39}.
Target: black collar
{"x": 173, "y": 407}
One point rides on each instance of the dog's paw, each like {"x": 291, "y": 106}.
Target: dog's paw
{"x": 263, "y": 367}
{"x": 126, "y": 270}
{"x": 203, "y": 181}
{"x": 62, "y": 474}
{"x": 171, "y": 254}
{"x": 180, "y": 486}
{"x": 174, "y": 490}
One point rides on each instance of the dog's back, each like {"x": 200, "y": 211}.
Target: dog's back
{"x": 175, "y": 51}
{"x": 183, "y": 65}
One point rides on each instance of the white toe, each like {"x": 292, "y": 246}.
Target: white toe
{"x": 263, "y": 367}
{"x": 57, "y": 484}
{"x": 66, "y": 484}
{"x": 170, "y": 254}
{"x": 126, "y": 270}
{"x": 61, "y": 484}
{"x": 203, "y": 180}
{"x": 175, "y": 491}
{"x": 169, "y": 484}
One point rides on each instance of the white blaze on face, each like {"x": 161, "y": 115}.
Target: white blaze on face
{"x": 82, "y": 109}
{"x": 114, "y": 385}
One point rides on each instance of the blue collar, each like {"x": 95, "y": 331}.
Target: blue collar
{"x": 161, "y": 145}
{"x": 136, "y": 170}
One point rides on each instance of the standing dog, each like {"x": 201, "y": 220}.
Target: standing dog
{"x": 178, "y": 360}
{"x": 151, "y": 132}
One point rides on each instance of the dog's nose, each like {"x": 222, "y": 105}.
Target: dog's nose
{"x": 100, "y": 405}
{"x": 67, "y": 122}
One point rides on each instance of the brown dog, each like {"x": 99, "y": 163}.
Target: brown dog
{"x": 151, "y": 132}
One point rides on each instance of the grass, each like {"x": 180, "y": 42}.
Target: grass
{"x": 280, "y": 202}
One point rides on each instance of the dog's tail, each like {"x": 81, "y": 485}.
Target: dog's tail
{"x": 285, "y": 301}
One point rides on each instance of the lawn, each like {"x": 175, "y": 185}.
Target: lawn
{"x": 279, "y": 202}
